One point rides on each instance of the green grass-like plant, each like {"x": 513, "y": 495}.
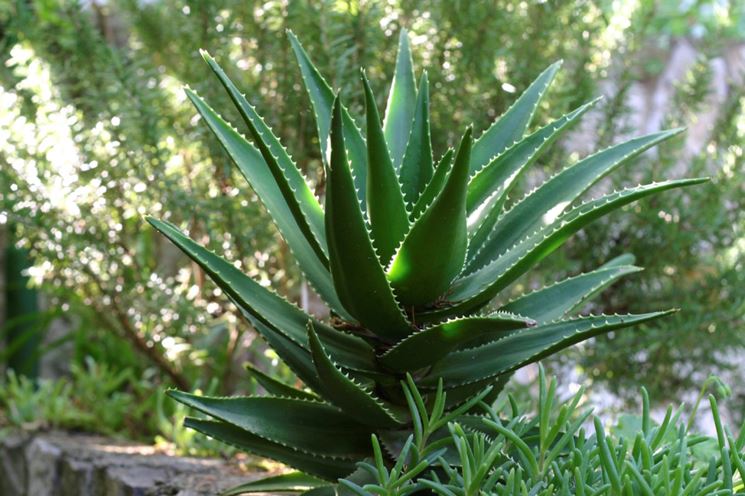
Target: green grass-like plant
{"x": 563, "y": 450}
{"x": 505, "y": 452}
{"x": 410, "y": 254}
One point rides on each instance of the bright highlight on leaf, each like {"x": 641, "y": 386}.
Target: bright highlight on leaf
{"x": 409, "y": 251}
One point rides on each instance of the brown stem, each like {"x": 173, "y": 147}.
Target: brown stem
{"x": 149, "y": 351}
{"x": 134, "y": 337}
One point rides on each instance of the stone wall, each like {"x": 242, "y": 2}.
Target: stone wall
{"x": 60, "y": 464}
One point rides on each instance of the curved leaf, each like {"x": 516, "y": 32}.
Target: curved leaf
{"x": 327, "y": 468}
{"x": 386, "y": 209}
{"x": 511, "y": 125}
{"x": 399, "y": 112}
{"x": 275, "y": 387}
{"x": 358, "y": 276}
{"x": 305, "y": 425}
{"x": 519, "y": 349}
{"x": 322, "y": 99}
{"x": 435, "y": 185}
{"x": 428, "y": 346}
{"x": 346, "y": 394}
{"x": 555, "y": 301}
{"x": 417, "y": 166}
{"x": 433, "y": 251}
{"x": 290, "y": 482}
{"x": 488, "y": 188}
{"x": 259, "y": 176}
{"x": 546, "y": 203}
{"x": 298, "y": 195}
{"x": 476, "y": 289}
{"x": 264, "y": 305}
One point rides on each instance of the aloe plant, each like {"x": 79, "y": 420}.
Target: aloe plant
{"x": 410, "y": 254}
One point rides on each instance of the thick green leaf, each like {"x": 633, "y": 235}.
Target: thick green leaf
{"x": 342, "y": 391}
{"x": 555, "y": 301}
{"x": 325, "y": 467}
{"x": 302, "y": 202}
{"x": 545, "y": 204}
{"x": 433, "y": 251}
{"x": 435, "y": 185}
{"x": 277, "y": 388}
{"x": 489, "y": 187}
{"x": 519, "y": 349}
{"x": 322, "y": 98}
{"x": 304, "y": 425}
{"x": 292, "y": 482}
{"x": 389, "y": 221}
{"x": 359, "y": 278}
{"x": 476, "y": 289}
{"x": 511, "y": 125}
{"x": 257, "y": 173}
{"x": 264, "y": 305}
{"x": 429, "y": 345}
{"x": 417, "y": 167}
{"x": 399, "y": 112}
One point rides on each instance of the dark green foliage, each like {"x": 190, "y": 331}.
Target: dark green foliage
{"x": 425, "y": 311}
{"x": 558, "y": 451}
{"x": 127, "y": 59}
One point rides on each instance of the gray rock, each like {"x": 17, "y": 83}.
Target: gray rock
{"x": 61, "y": 464}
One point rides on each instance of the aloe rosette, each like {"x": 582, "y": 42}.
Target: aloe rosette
{"x": 410, "y": 254}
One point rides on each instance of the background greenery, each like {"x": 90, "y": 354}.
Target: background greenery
{"x": 95, "y": 131}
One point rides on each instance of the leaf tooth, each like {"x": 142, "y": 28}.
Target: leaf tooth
{"x": 369, "y": 234}
{"x": 448, "y": 321}
{"x": 254, "y": 396}
{"x": 580, "y": 208}
{"x": 491, "y": 234}
{"x": 306, "y": 85}
{"x": 269, "y": 289}
{"x": 234, "y": 129}
{"x": 284, "y": 445}
{"x": 566, "y": 279}
{"x": 505, "y": 251}
{"x": 229, "y": 124}
{"x": 284, "y": 171}
{"x": 606, "y": 320}
{"x": 595, "y": 178}
{"x": 368, "y": 391}
{"x": 556, "y": 125}
{"x": 351, "y": 379}
{"x": 288, "y": 365}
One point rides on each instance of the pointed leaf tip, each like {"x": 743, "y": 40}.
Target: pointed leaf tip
{"x": 358, "y": 275}
{"x": 511, "y": 125}
{"x": 400, "y": 108}
{"x": 433, "y": 251}
{"x": 385, "y": 203}
{"x": 418, "y": 166}
{"x": 322, "y": 97}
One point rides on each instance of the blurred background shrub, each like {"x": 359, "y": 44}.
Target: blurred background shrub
{"x": 95, "y": 132}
